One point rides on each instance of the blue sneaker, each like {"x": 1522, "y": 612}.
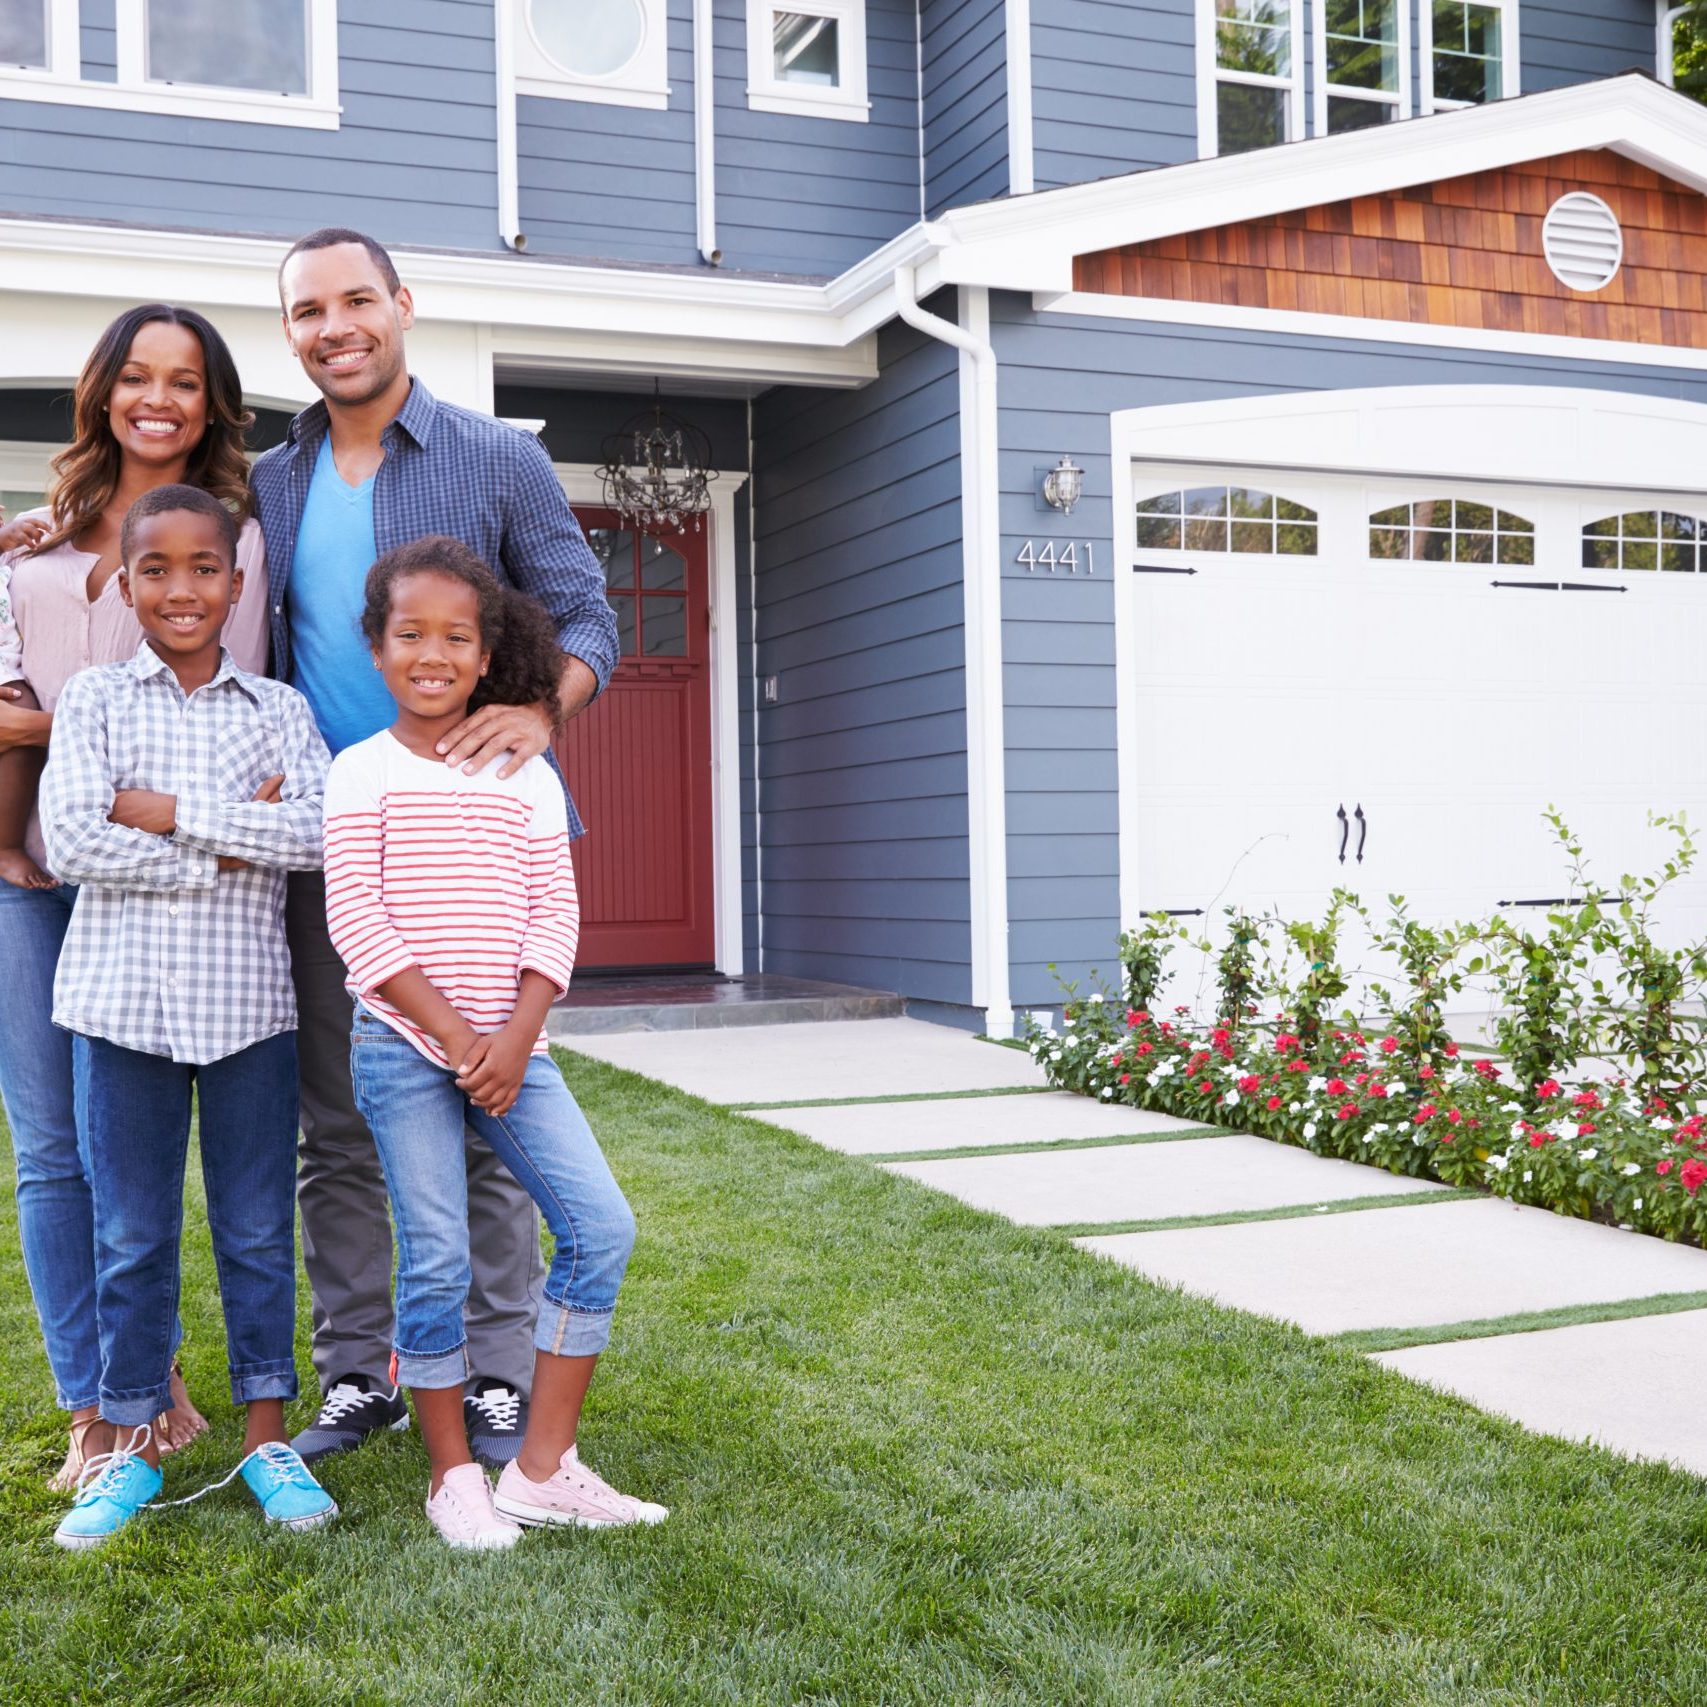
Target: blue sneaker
{"x": 124, "y": 1485}
{"x": 286, "y": 1487}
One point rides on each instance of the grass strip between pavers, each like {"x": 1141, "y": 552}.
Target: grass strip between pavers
{"x": 1529, "y": 1322}
{"x": 1114, "y": 1141}
{"x": 900, "y": 1096}
{"x": 1287, "y": 1212}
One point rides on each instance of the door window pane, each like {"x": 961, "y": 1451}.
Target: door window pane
{"x": 23, "y": 33}
{"x": 1468, "y": 52}
{"x": 1249, "y": 116}
{"x": 591, "y": 38}
{"x": 660, "y": 567}
{"x": 230, "y": 44}
{"x": 805, "y": 49}
{"x": 1451, "y": 530}
{"x": 614, "y": 548}
{"x": 666, "y": 628}
{"x": 627, "y": 642}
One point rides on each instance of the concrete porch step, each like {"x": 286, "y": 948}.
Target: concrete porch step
{"x": 697, "y": 1002}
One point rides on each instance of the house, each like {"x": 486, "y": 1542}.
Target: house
{"x": 1375, "y": 330}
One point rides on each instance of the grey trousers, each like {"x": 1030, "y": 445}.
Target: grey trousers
{"x": 346, "y": 1221}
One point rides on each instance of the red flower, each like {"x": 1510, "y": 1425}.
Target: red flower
{"x": 1146, "y": 1049}
{"x": 1454, "y": 1116}
{"x": 1206, "y": 1086}
{"x": 1537, "y": 1139}
{"x": 1585, "y": 1099}
{"x": 1694, "y": 1174}
{"x": 1298, "y": 1066}
{"x": 1425, "y": 1072}
{"x": 1249, "y": 1083}
{"x": 1126, "y": 1078}
{"x": 1547, "y": 1088}
{"x": 1664, "y": 1167}
{"x": 1348, "y": 1111}
{"x": 1338, "y": 1088}
{"x": 1136, "y": 1017}
{"x": 1389, "y": 1046}
{"x": 1361, "y": 1079}
{"x": 1584, "y": 1127}
{"x": 1378, "y": 1090}
{"x": 1285, "y": 1042}
{"x": 1273, "y": 1104}
{"x": 1452, "y": 1049}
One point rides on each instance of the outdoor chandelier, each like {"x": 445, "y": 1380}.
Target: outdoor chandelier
{"x": 1064, "y": 485}
{"x": 654, "y": 474}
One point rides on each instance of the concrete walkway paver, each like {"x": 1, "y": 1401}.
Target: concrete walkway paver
{"x": 1154, "y": 1182}
{"x": 840, "y": 1058}
{"x": 1453, "y": 1262}
{"x": 953, "y": 1123}
{"x": 1637, "y": 1386}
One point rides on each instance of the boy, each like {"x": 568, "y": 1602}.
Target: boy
{"x": 179, "y": 790}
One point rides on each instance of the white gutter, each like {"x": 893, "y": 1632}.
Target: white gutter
{"x": 705, "y": 135}
{"x": 509, "y": 191}
{"x": 1018, "y": 41}
{"x": 981, "y": 575}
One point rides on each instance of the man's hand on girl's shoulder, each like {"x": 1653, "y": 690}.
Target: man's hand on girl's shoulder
{"x": 522, "y": 731}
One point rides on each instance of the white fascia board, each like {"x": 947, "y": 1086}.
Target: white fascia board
{"x": 1029, "y": 244}
{"x": 1231, "y": 317}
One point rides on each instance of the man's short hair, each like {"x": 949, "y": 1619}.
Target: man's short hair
{"x": 330, "y": 237}
{"x": 162, "y": 500}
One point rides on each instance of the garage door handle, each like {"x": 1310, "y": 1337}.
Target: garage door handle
{"x": 1345, "y": 830}
{"x": 1362, "y": 831}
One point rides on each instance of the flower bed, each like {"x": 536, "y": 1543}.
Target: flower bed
{"x": 1609, "y": 1151}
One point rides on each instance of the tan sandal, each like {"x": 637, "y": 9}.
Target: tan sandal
{"x": 174, "y": 1429}
{"x": 64, "y": 1480}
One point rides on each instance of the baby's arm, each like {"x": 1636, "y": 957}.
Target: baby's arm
{"x": 20, "y": 773}
{"x": 11, "y": 641}
{"x": 285, "y": 833}
{"x": 83, "y": 844}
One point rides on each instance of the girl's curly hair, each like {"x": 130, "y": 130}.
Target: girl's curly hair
{"x": 527, "y": 661}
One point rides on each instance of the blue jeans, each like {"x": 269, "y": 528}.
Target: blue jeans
{"x": 56, "y": 1219}
{"x": 417, "y": 1114}
{"x": 137, "y": 1128}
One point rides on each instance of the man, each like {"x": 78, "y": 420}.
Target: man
{"x": 379, "y": 461}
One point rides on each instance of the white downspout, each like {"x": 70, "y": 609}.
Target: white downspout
{"x": 509, "y": 191}
{"x": 1021, "y": 173}
{"x": 705, "y": 135}
{"x": 986, "y": 778}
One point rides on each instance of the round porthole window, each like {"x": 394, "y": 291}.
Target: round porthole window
{"x": 589, "y": 38}
{"x": 1582, "y": 241}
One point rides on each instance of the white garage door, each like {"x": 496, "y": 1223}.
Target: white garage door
{"x": 1382, "y": 682}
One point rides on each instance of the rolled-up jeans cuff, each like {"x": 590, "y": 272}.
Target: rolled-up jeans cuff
{"x": 434, "y": 1369}
{"x": 263, "y": 1381}
{"x": 136, "y": 1405}
{"x": 71, "y": 1402}
{"x": 565, "y": 1332}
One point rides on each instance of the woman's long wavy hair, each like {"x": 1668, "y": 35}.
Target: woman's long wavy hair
{"x": 87, "y": 470}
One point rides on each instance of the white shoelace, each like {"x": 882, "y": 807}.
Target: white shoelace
{"x": 102, "y": 1462}
{"x": 343, "y": 1399}
{"x": 501, "y": 1406}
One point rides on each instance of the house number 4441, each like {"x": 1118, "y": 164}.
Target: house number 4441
{"x": 1073, "y": 558}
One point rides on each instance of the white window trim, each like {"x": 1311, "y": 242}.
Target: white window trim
{"x": 1399, "y": 100}
{"x": 1210, "y": 76}
{"x": 1511, "y": 57}
{"x": 1664, "y": 70}
{"x": 765, "y": 94}
{"x": 643, "y": 82}
{"x": 64, "y": 85}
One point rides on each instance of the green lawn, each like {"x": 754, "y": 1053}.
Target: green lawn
{"x": 914, "y": 1454}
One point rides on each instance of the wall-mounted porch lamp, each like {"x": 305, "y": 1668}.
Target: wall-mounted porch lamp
{"x": 1064, "y": 485}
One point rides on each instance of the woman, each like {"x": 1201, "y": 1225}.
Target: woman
{"x": 158, "y": 402}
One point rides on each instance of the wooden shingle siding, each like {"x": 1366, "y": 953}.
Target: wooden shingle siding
{"x": 1574, "y": 41}
{"x": 1062, "y": 376}
{"x": 862, "y": 761}
{"x": 1113, "y": 87}
{"x": 413, "y": 160}
{"x": 1464, "y": 252}
{"x": 965, "y": 102}
{"x": 811, "y": 196}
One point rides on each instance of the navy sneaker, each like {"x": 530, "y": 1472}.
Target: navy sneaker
{"x": 497, "y": 1417}
{"x": 354, "y": 1408}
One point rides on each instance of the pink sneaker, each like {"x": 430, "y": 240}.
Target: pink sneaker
{"x": 573, "y": 1495}
{"x": 461, "y": 1511}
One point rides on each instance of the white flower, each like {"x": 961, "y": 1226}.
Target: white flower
{"x": 1232, "y": 1099}
{"x": 1096, "y": 996}
{"x": 1055, "y": 1055}
{"x": 1528, "y": 1175}
{"x": 1637, "y": 1204}
{"x": 1589, "y": 1154}
{"x": 1309, "y": 1129}
{"x": 1107, "y": 1091}
{"x": 1317, "y": 1082}
{"x": 1499, "y": 1162}
{"x": 1395, "y": 1089}
{"x": 1631, "y": 1169}
{"x": 1293, "y": 1107}
{"x": 1661, "y": 1125}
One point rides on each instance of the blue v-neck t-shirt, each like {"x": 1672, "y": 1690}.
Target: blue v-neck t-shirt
{"x": 331, "y": 664}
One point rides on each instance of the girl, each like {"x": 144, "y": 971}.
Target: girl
{"x": 158, "y": 403}
{"x": 451, "y": 900}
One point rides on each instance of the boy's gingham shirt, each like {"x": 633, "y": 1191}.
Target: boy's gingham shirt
{"x": 166, "y": 954}
{"x": 451, "y": 471}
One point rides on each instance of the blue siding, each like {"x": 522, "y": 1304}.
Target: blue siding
{"x": 1575, "y": 41}
{"x": 1113, "y": 87}
{"x": 964, "y": 71}
{"x": 1061, "y": 379}
{"x": 98, "y": 43}
{"x": 612, "y": 183}
{"x": 414, "y": 161}
{"x": 811, "y": 195}
{"x": 862, "y": 762}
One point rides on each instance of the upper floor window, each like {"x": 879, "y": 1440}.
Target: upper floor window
{"x": 807, "y": 57}
{"x": 1226, "y": 518}
{"x": 1362, "y": 63}
{"x": 1251, "y": 91}
{"x": 1681, "y": 59}
{"x": 260, "y": 61}
{"x": 1451, "y": 530}
{"x": 1469, "y": 52}
{"x": 613, "y": 52}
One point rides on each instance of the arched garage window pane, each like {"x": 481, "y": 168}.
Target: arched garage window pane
{"x": 1451, "y": 530}
{"x": 1230, "y": 519}
{"x": 1645, "y": 539}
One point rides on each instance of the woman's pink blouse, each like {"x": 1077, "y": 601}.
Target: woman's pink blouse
{"x": 61, "y": 632}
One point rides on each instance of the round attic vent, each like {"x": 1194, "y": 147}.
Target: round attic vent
{"x": 1582, "y": 242}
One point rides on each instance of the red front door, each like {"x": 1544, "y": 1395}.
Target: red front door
{"x": 639, "y": 758}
